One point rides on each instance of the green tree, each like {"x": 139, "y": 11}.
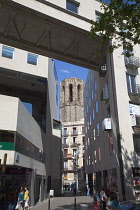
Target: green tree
{"x": 121, "y": 21}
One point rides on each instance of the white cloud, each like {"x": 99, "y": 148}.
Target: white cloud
{"x": 65, "y": 71}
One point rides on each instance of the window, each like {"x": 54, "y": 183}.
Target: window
{"x": 32, "y": 59}
{"x": 65, "y": 164}
{"x": 94, "y": 137}
{"x": 99, "y": 153}
{"x": 92, "y": 114}
{"x": 65, "y": 152}
{"x": 97, "y": 16}
{"x": 95, "y": 85}
{"x": 7, "y": 52}
{"x": 74, "y": 152}
{"x": 74, "y": 140}
{"x": 72, "y": 6}
{"x": 70, "y": 93}
{"x": 111, "y": 145}
{"x": 65, "y": 141}
{"x": 74, "y": 130}
{"x": 95, "y": 158}
{"x": 98, "y": 128}
{"x": 89, "y": 102}
{"x": 136, "y": 140}
{"x": 65, "y": 131}
{"x": 79, "y": 92}
{"x": 92, "y": 94}
{"x": 90, "y": 119}
{"x": 131, "y": 83}
{"x": 96, "y": 106}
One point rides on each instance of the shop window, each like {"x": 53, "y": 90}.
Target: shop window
{"x": 7, "y": 52}
{"x": 32, "y": 59}
{"x": 72, "y": 6}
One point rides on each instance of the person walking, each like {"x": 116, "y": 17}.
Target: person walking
{"x": 26, "y": 199}
{"x": 21, "y": 199}
{"x": 114, "y": 203}
{"x": 103, "y": 198}
{"x": 88, "y": 190}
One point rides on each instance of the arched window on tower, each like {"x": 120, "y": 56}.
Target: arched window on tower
{"x": 79, "y": 92}
{"x": 70, "y": 92}
{"x": 63, "y": 89}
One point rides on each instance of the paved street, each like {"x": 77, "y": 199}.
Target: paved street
{"x": 64, "y": 203}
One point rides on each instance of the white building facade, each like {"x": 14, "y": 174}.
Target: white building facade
{"x": 28, "y": 134}
{"x": 112, "y": 110}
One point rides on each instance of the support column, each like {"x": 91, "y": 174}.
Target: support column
{"x": 32, "y": 189}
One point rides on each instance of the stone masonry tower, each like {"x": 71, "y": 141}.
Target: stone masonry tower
{"x": 71, "y": 99}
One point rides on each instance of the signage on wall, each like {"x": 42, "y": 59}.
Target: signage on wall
{"x": 134, "y": 109}
{"x": 6, "y": 146}
{"x": 136, "y": 172}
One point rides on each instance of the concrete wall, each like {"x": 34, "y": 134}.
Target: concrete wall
{"x": 19, "y": 63}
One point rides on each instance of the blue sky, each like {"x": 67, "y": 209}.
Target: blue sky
{"x": 66, "y": 70}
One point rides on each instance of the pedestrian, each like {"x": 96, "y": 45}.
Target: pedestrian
{"x": 21, "y": 199}
{"x": 26, "y": 199}
{"x": 2, "y": 200}
{"x": 114, "y": 203}
{"x": 74, "y": 188}
{"x": 103, "y": 198}
{"x": 88, "y": 190}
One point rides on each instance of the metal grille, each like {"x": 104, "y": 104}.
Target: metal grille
{"x": 132, "y": 62}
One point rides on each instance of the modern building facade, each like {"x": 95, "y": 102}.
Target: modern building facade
{"x": 71, "y": 116}
{"x": 28, "y": 132}
{"x": 112, "y": 110}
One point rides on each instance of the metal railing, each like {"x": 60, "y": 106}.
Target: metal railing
{"x": 132, "y": 62}
{"x": 134, "y": 90}
{"x": 105, "y": 95}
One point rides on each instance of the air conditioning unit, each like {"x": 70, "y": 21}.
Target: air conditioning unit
{"x": 106, "y": 124}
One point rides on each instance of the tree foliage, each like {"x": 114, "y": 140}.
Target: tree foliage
{"x": 120, "y": 23}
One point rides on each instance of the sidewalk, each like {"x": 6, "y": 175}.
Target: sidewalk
{"x": 64, "y": 203}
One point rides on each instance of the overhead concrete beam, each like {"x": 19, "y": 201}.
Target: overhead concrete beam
{"x": 34, "y": 31}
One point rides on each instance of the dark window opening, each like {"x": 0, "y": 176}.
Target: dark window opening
{"x": 79, "y": 90}
{"x": 70, "y": 92}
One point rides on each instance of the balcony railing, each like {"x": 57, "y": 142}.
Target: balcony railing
{"x": 65, "y": 145}
{"x": 65, "y": 134}
{"x": 134, "y": 90}
{"x": 132, "y": 62}
{"x": 68, "y": 156}
{"x": 104, "y": 95}
{"x": 70, "y": 169}
{"x": 103, "y": 70}
{"x": 74, "y": 133}
{"x": 74, "y": 145}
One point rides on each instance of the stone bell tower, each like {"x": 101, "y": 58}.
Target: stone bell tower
{"x": 71, "y": 99}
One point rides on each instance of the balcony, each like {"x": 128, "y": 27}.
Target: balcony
{"x": 136, "y": 124}
{"x": 65, "y": 134}
{"x": 104, "y": 95}
{"x": 134, "y": 90}
{"x": 68, "y": 156}
{"x": 74, "y": 133}
{"x": 65, "y": 145}
{"x": 103, "y": 70}
{"x": 74, "y": 145}
{"x": 70, "y": 169}
{"x": 132, "y": 62}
